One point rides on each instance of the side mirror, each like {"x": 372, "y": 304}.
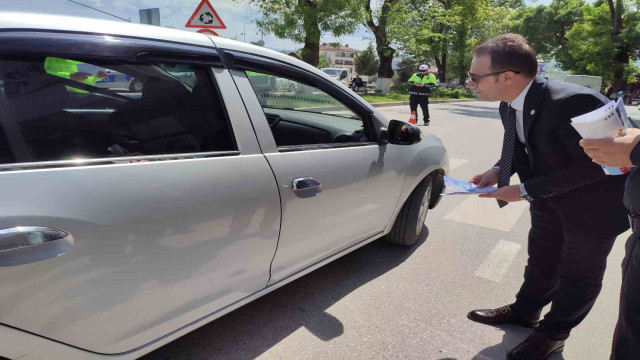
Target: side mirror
{"x": 402, "y": 133}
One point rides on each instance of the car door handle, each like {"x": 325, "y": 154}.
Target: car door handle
{"x": 26, "y": 244}
{"x": 306, "y": 187}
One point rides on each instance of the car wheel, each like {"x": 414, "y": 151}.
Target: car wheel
{"x": 409, "y": 223}
{"x": 136, "y": 85}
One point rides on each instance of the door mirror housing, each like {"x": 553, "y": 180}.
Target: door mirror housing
{"x": 402, "y": 133}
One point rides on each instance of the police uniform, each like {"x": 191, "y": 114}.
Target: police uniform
{"x": 420, "y": 94}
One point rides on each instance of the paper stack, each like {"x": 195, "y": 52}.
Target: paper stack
{"x": 607, "y": 122}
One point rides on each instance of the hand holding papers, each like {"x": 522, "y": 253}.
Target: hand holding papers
{"x": 458, "y": 187}
{"x": 607, "y": 122}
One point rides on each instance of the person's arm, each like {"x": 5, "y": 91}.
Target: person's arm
{"x": 582, "y": 171}
{"x": 413, "y": 79}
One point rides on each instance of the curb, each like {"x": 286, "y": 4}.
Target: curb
{"x": 397, "y": 103}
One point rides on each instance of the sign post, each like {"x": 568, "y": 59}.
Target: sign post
{"x": 205, "y": 18}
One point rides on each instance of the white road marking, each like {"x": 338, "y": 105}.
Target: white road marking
{"x": 500, "y": 258}
{"x": 486, "y": 213}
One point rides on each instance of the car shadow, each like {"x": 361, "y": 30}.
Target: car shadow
{"x": 249, "y": 331}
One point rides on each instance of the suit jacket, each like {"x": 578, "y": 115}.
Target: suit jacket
{"x": 555, "y": 169}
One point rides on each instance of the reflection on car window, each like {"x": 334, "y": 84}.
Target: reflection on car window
{"x": 300, "y": 114}
{"x": 45, "y": 118}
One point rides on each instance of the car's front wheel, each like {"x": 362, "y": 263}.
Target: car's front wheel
{"x": 409, "y": 224}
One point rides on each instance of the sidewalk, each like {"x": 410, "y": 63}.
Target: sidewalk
{"x": 397, "y": 103}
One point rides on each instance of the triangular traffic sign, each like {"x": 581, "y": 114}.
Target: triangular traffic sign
{"x": 206, "y": 17}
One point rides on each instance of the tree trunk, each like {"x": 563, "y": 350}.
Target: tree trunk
{"x": 385, "y": 52}
{"x": 622, "y": 55}
{"x": 442, "y": 68}
{"x": 311, "y": 50}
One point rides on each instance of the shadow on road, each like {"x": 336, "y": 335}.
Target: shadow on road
{"x": 249, "y": 331}
{"x": 513, "y": 335}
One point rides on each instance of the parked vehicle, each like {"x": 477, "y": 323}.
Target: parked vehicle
{"x": 130, "y": 219}
{"x": 592, "y": 82}
{"x": 340, "y": 74}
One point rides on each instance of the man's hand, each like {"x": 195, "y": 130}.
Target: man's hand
{"x": 612, "y": 152}
{"x": 487, "y": 178}
{"x": 508, "y": 193}
{"x": 101, "y": 75}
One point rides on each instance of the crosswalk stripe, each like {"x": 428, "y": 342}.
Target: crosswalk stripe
{"x": 497, "y": 263}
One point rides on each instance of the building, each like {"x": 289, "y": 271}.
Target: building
{"x": 341, "y": 56}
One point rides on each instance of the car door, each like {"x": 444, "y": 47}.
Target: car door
{"x": 119, "y": 229}
{"x": 337, "y": 186}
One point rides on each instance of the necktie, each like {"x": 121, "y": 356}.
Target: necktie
{"x": 506, "y": 159}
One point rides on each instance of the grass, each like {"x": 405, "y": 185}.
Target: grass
{"x": 391, "y": 97}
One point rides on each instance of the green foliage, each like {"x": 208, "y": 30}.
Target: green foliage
{"x": 451, "y": 92}
{"x": 446, "y": 30}
{"x": 304, "y": 21}
{"x": 590, "y": 42}
{"x": 367, "y": 61}
{"x": 325, "y": 62}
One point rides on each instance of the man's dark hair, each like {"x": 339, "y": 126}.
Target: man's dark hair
{"x": 509, "y": 52}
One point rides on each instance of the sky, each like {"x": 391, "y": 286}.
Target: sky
{"x": 238, "y": 16}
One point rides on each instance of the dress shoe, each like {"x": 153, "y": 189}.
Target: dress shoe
{"x": 501, "y": 316}
{"x": 537, "y": 346}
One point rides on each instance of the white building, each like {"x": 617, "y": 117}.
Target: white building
{"x": 341, "y": 56}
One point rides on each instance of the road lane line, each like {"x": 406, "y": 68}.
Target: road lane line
{"x": 500, "y": 258}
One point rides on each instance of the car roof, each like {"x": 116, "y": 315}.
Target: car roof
{"x": 46, "y": 22}
{"x": 35, "y": 21}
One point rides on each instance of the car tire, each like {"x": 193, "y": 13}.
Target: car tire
{"x": 409, "y": 224}
{"x": 136, "y": 85}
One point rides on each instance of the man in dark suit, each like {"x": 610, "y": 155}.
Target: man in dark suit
{"x": 619, "y": 152}
{"x": 576, "y": 210}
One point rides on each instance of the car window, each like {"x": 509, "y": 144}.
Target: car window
{"x": 55, "y": 108}
{"x": 299, "y": 114}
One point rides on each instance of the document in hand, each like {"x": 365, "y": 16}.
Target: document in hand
{"x": 607, "y": 122}
{"x": 458, "y": 187}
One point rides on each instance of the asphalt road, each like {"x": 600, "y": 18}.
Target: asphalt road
{"x": 389, "y": 302}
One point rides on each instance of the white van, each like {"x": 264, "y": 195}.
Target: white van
{"x": 340, "y": 74}
{"x": 592, "y": 82}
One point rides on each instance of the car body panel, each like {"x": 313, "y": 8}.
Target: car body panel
{"x": 173, "y": 230}
{"x": 163, "y": 247}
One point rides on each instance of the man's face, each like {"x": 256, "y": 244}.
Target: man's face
{"x": 489, "y": 88}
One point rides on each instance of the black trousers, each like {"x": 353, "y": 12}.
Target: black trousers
{"x": 414, "y": 100}
{"x": 565, "y": 268}
{"x": 626, "y": 339}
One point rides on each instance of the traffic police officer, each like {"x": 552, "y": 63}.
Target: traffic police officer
{"x": 421, "y": 83}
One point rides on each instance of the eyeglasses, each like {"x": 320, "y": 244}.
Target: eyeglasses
{"x": 473, "y": 79}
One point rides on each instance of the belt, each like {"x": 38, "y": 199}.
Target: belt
{"x": 634, "y": 222}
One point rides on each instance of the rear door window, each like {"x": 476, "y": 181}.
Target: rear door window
{"x": 55, "y": 109}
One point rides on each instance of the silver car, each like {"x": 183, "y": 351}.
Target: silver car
{"x": 130, "y": 219}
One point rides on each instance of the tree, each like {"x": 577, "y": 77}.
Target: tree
{"x": 546, "y": 28}
{"x": 305, "y": 21}
{"x": 383, "y": 41}
{"x": 607, "y": 40}
{"x": 445, "y": 30}
{"x": 367, "y": 62}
